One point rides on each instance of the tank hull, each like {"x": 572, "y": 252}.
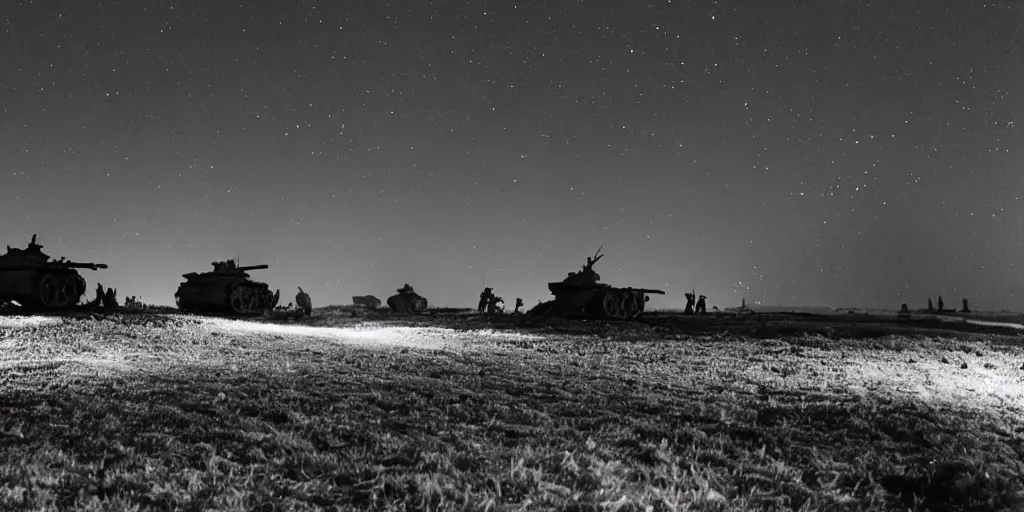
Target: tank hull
{"x": 597, "y": 302}
{"x": 42, "y": 288}
{"x": 407, "y": 303}
{"x": 225, "y": 298}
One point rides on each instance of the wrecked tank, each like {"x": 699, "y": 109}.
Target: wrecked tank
{"x": 407, "y": 301}
{"x": 581, "y": 294}
{"x": 366, "y": 301}
{"x": 225, "y": 290}
{"x": 30, "y": 278}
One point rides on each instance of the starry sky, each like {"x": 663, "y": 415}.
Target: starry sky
{"x": 850, "y": 153}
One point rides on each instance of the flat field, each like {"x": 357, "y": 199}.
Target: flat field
{"x": 454, "y": 411}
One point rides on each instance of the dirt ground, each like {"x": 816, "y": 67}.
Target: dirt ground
{"x": 348, "y": 410}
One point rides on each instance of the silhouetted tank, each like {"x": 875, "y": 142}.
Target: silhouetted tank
{"x": 30, "y": 278}
{"x": 581, "y": 294}
{"x": 227, "y": 289}
{"x": 407, "y": 301}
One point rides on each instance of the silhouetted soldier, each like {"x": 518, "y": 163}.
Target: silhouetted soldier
{"x": 492, "y": 304}
{"x": 689, "y": 304}
{"x": 110, "y": 298}
{"x": 33, "y": 246}
{"x": 904, "y": 310}
{"x": 519, "y": 304}
{"x": 304, "y": 302}
{"x": 965, "y": 309}
{"x": 485, "y": 298}
{"x": 702, "y": 306}
{"x": 588, "y": 269}
{"x": 940, "y": 304}
{"x": 931, "y": 307}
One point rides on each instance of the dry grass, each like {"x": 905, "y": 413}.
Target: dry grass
{"x": 127, "y": 412}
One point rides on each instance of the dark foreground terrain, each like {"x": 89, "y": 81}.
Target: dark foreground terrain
{"x": 453, "y": 411}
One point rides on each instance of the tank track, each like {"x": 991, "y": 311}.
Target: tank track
{"x": 60, "y": 290}
{"x": 250, "y": 298}
{"x": 617, "y": 304}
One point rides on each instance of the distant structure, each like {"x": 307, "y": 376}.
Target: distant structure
{"x": 904, "y": 310}
{"x": 519, "y": 304}
{"x": 366, "y": 301}
{"x": 965, "y": 308}
{"x": 304, "y": 301}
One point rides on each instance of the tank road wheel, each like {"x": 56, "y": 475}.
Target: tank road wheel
{"x": 251, "y": 300}
{"x": 81, "y": 287}
{"x": 628, "y": 306}
{"x": 49, "y": 291}
{"x": 68, "y": 291}
{"x": 239, "y": 302}
{"x": 254, "y": 300}
{"x": 609, "y": 305}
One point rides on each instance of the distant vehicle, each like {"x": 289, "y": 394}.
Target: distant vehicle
{"x": 407, "y": 301}
{"x": 581, "y": 294}
{"x": 367, "y": 301}
{"x": 225, "y": 290}
{"x": 33, "y": 280}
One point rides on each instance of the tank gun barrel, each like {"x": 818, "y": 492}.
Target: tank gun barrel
{"x": 55, "y": 264}
{"x": 253, "y": 267}
{"x": 648, "y": 290}
{"x": 90, "y": 266}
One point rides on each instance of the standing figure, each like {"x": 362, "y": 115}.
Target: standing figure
{"x": 940, "y": 304}
{"x": 702, "y": 306}
{"x": 519, "y": 304}
{"x": 305, "y": 303}
{"x": 689, "y": 304}
{"x": 485, "y": 298}
{"x": 965, "y": 308}
{"x": 492, "y": 304}
{"x": 931, "y": 307}
{"x": 110, "y": 298}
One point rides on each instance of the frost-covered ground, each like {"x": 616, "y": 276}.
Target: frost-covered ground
{"x": 174, "y": 412}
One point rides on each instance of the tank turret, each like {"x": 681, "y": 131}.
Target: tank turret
{"x": 581, "y": 294}
{"x": 227, "y": 289}
{"x": 31, "y": 278}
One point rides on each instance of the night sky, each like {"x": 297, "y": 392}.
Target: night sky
{"x": 841, "y": 153}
